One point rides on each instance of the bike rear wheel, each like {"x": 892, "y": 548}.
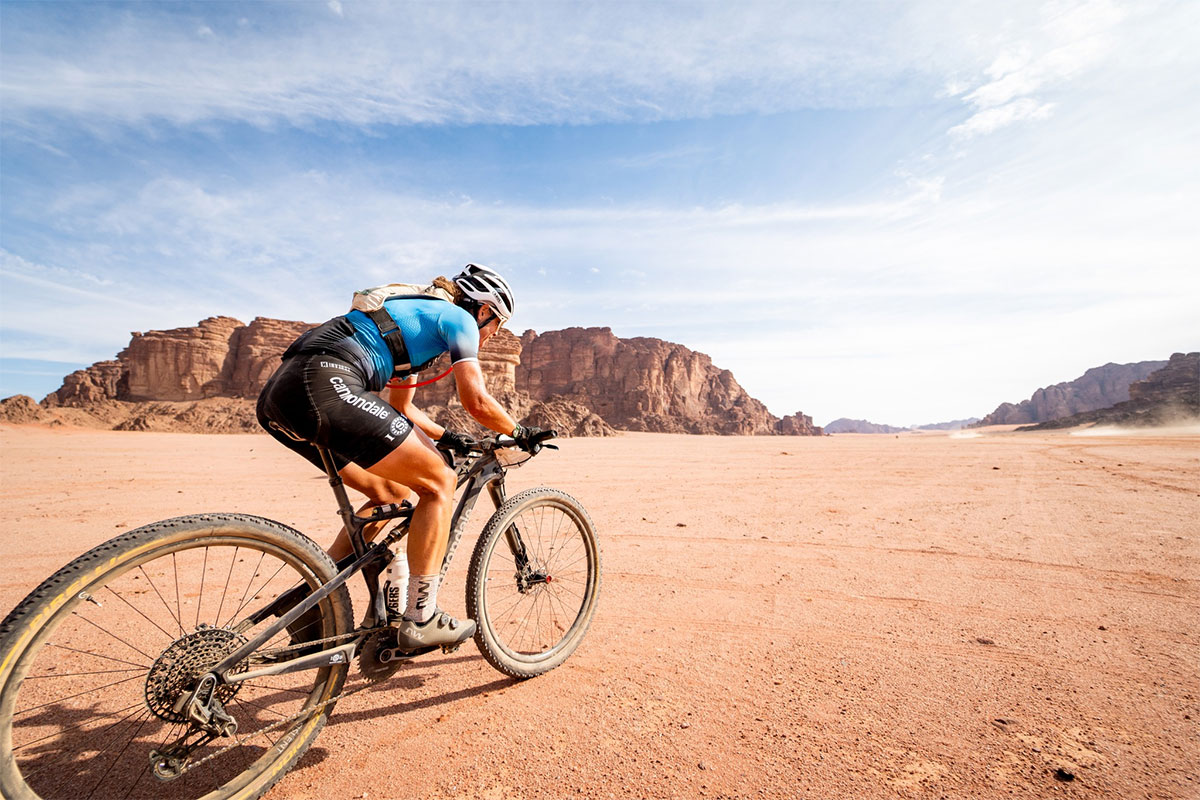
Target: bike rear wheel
{"x": 533, "y": 610}
{"x": 93, "y": 663}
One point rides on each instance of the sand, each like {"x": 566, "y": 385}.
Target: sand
{"x": 923, "y": 615}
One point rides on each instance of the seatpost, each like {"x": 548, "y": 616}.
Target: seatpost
{"x": 345, "y": 510}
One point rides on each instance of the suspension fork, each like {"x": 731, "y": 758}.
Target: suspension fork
{"x": 515, "y": 543}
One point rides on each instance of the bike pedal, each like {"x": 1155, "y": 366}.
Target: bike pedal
{"x": 450, "y": 648}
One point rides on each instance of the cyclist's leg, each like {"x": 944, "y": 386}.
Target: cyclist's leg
{"x": 379, "y": 491}
{"x": 338, "y": 410}
{"x": 422, "y": 467}
{"x": 417, "y": 463}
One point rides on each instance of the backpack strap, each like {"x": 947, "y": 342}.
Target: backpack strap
{"x": 391, "y": 335}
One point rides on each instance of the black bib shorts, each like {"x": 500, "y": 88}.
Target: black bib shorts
{"x": 323, "y": 399}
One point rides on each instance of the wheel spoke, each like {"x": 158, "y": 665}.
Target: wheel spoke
{"x": 97, "y": 655}
{"x": 78, "y": 725}
{"x": 232, "y": 561}
{"x": 200, "y": 594}
{"x": 166, "y": 605}
{"x": 121, "y": 597}
{"x": 117, "y": 759}
{"x": 249, "y": 583}
{"x": 77, "y": 694}
{"x": 89, "y": 713}
{"x": 113, "y": 635}
{"x": 526, "y": 631}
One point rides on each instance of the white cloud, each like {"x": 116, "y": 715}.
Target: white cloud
{"x": 993, "y": 118}
{"x": 336, "y": 7}
{"x": 966, "y": 279}
{"x": 932, "y": 294}
{"x": 1070, "y": 39}
{"x": 468, "y": 63}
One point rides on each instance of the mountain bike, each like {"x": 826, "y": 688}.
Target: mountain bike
{"x": 200, "y": 656}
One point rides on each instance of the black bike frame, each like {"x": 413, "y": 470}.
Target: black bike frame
{"x": 484, "y": 471}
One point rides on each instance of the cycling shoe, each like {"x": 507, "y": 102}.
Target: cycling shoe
{"x": 440, "y": 630}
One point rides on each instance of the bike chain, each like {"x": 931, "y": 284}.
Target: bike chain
{"x": 239, "y": 741}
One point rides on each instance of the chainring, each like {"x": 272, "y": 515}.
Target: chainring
{"x": 369, "y": 664}
{"x": 183, "y": 662}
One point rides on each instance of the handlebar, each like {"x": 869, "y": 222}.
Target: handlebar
{"x": 501, "y": 441}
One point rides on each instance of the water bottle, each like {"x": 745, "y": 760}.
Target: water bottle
{"x": 395, "y": 585}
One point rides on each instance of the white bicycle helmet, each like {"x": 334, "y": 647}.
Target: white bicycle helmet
{"x": 484, "y": 285}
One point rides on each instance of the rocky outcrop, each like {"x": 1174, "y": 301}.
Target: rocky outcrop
{"x": 581, "y": 382}
{"x": 104, "y": 380}
{"x": 1099, "y": 387}
{"x": 180, "y": 364}
{"x": 220, "y": 357}
{"x": 498, "y": 359}
{"x": 255, "y": 354}
{"x": 568, "y": 418}
{"x": 798, "y": 425}
{"x": 845, "y": 425}
{"x": 1170, "y": 395}
{"x": 21, "y": 409}
{"x": 639, "y": 384}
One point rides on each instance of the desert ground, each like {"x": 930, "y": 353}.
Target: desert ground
{"x": 982, "y": 615}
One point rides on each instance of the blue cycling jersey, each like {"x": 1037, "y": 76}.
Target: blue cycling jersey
{"x": 429, "y": 327}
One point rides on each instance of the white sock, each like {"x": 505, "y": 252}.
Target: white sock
{"x": 422, "y": 597}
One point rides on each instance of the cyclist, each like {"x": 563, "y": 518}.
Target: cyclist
{"x": 347, "y": 385}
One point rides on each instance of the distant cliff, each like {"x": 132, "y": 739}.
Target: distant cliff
{"x": 1166, "y": 396}
{"x": 952, "y": 425}
{"x": 220, "y": 357}
{"x": 845, "y": 425}
{"x": 1099, "y": 387}
{"x": 645, "y": 384}
{"x": 580, "y": 381}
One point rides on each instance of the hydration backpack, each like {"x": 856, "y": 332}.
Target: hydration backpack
{"x": 368, "y": 300}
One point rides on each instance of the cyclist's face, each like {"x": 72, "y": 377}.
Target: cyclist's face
{"x": 489, "y": 323}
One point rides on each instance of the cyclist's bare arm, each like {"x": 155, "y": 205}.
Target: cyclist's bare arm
{"x": 477, "y": 401}
{"x": 401, "y": 399}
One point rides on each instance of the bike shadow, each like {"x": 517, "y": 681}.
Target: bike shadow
{"x": 410, "y": 680}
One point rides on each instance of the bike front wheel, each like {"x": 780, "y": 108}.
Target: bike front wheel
{"x": 95, "y": 661}
{"x": 533, "y": 582}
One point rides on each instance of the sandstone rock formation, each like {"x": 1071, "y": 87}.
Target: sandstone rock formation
{"x": 1099, "y": 387}
{"x": 21, "y": 409}
{"x": 582, "y": 382}
{"x": 220, "y": 357}
{"x": 1169, "y": 395}
{"x": 104, "y": 380}
{"x": 797, "y": 424}
{"x": 640, "y": 384}
{"x": 256, "y": 352}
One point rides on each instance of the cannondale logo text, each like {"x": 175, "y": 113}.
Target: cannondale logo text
{"x": 367, "y": 405}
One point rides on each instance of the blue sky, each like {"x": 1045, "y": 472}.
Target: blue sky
{"x": 905, "y": 212}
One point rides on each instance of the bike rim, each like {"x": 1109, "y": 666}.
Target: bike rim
{"x": 538, "y": 623}
{"x": 97, "y": 681}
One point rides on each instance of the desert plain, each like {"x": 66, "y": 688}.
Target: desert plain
{"x": 987, "y": 614}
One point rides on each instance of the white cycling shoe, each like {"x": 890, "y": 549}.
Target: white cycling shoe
{"x": 441, "y": 630}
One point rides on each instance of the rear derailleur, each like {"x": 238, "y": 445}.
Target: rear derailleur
{"x": 207, "y": 720}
